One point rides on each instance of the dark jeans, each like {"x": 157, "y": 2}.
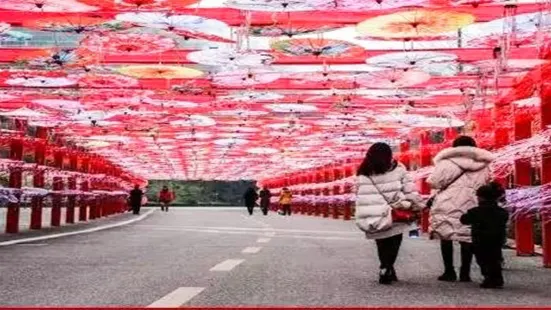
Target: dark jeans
{"x": 286, "y": 209}
{"x": 250, "y": 208}
{"x": 136, "y": 209}
{"x": 264, "y": 207}
{"x": 446, "y": 246}
{"x": 489, "y": 258}
{"x": 387, "y": 249}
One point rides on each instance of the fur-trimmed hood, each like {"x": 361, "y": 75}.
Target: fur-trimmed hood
{"x": 467, "y": 157}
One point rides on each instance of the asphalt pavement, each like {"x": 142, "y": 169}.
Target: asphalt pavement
{"x": 220, "y": 257}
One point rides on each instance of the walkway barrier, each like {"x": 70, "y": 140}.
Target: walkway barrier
{"x": 61, "y": 207}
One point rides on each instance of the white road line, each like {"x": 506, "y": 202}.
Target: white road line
{"x": 177, "y": 298}
{"x": 270, "y": 234}
{"x": 78, "y": 232}
{"x": 32, "y": 244}
{"x": 251, "y": 250}
{"x": 227, "y": 265}
{"x": 263, "y": 240}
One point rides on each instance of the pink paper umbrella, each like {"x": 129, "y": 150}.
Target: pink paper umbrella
{"x": 245, "y": 77}
{"x": 58, "y": 6}
{"x": 365, "y": 5}
{"x": 104, "y": 80}
{"x": 392, "y": 78}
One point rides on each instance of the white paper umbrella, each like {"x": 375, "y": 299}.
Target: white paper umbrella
{"x": 511, "y": 65}
{"x": 24, "y": 113}
{"x": 291, "y": 108}
{"x": 253, "y": 96}
{"x": 408, "y": 60}
{"x": 58, "y": 6}
{"x": 41, "y": 81}
{"x": 230, "y": 142}
{"x": 6, "y": 97}
{"x": 196, "y": 135}
{"x": 110, "y": 138}
{"x": 277, "y": 5}
{"x": 392, "y": 78}
{"x": 186, "y": 23}
{"x": 523, "y": 23}
{"x": 171, "y": 103}
{"x": 437, "y": 122}
{"x": 239, "y": 129}
{"x": 194, "y": 120}
{"x": 262, "y": 150}
{"x": 227, "y": 57}
{"x": 371, "y": 5}
{"x": 245, "y": 77}
{"x": 239, "y": 113}
{"x": 59, "y": 104}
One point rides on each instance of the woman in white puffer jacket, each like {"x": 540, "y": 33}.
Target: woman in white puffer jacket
{"x": 383, "y": 184}
{"x": 459, "y": 171}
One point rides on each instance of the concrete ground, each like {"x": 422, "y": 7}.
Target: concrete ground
{"x": 200, "y": 257}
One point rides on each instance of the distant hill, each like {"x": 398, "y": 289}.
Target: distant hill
{"x": 201, "y": 193}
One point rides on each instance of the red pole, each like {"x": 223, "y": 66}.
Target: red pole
{"x": 524, "y": 226}
{"x": 545, "y": 110}
{"x": 16, "y": 175}
{"x": 57, "y": 199}
{"x": 82, "y": 212}
{"x": 38, "y": 179}
{"x": 72, "y": 185}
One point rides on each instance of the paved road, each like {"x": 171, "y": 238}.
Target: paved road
{"x": 195, "y": 257}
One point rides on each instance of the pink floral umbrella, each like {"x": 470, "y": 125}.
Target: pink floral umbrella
{"x": 230, "y": 58}
{"x": 241, "y": 78}
{"x": 127, "y": 44}
{"x": 392, "y": 78}
{"x": 40, "y": 81}
{"x": 289, "y": 30}
{"x": 61, "y": 6}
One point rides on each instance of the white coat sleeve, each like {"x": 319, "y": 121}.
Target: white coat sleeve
{"x": 410, "y": 191}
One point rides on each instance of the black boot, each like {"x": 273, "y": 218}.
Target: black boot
{"x": 448, "y": 276}
{"x": 393, "y": 276}
{"x": 385, "y": 276}
{"x": 465, "y": 274}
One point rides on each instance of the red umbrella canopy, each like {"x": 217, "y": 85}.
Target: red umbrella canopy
{"x": 241, "y": 89}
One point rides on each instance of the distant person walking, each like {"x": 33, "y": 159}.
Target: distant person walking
{"x": 458, "y": 172}
{"x": 285, "y": 200}
{"x": 385, "y": 190}
{"x": 265, "y": 196}
{"x": 136, "y": 196}
{"x": 250, "y": 198}
{"x": 165, "y": 198}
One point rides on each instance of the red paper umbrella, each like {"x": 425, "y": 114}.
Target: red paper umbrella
{"x": 392, "y": 78}
{"x": 70, "y": 23}
{"x": 141, "y": 4}
{"x": 317, "y": 48}
{"x": 127, "y": 44}
{"x": 104, "y": 81}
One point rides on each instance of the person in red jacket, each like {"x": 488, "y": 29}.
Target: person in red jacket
{"x": 165, "y": 198}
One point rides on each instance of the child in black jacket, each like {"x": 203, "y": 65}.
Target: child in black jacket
{"x": 489, "y": 223}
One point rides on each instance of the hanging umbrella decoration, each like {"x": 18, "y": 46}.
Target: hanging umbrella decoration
{"x": 187, "y": 26}
{"x": 159, "y": 72}
{"x": 226, "y": 57}
{"x": 75, "y": 24}
{"x": 245, "y": 78}
{"x": 146, "y": 5}
{"x": 392, "y": 78}
{"x": 64, "y": 58}
{"x": 127, "y": 44}
{"x": 290, "y": 30}
{"x": 374, "y": 5}
{"x": 278, "y": 5}
{"x": 55, "y": 6}
{"x": 419, "y": 24}
{"x": 92, "y": 80}
{"x": 322, "y": 48}
{"x": 435, "y": 63}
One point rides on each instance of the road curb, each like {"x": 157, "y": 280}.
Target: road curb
{"x": 77, "y": 232}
